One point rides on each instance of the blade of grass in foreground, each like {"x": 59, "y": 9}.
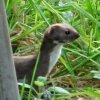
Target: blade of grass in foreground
{"x": 49, "y": 7}
{"x": 37, "y": 26}
{"x": 32, "y": 2}
{"x": 88, "y": 58}
{"x": 23, "y": 89}
{"x": 33, "y": 76}
{"x": 85, "y": 13}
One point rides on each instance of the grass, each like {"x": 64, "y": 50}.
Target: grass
{"x": 29, "y": 18}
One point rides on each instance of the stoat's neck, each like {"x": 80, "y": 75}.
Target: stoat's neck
{"x": 49, "y": 54}
{"x": 54, "y": 56}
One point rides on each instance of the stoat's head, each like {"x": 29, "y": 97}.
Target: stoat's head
{"x": 61, "y": 33}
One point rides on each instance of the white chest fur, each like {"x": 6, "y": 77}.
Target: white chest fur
{"x": 54, "y": 56}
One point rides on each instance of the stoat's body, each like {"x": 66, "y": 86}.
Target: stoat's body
{"x": 50, "y": 52}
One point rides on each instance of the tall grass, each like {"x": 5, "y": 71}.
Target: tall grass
{"x": 30, "y": 18}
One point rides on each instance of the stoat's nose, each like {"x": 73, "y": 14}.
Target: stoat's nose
{"x": 76, "y": 35}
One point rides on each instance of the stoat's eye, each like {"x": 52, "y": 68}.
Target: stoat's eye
{"x": 67, "y": 32}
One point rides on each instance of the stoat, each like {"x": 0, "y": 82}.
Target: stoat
{"x": 54, "y": 38}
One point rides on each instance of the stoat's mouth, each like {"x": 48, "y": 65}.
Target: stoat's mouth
{"x": 62, "y": 41}
{"x": 59, "y": 42}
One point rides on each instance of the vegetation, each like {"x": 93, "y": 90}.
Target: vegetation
{"x": 78, "y": 69}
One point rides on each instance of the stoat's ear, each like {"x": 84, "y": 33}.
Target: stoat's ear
{"x": 50, "y": 30}
{"x": 49, "y": 33}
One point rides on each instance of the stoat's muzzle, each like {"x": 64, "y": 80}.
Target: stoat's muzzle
{"x": 71, "y": 36}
